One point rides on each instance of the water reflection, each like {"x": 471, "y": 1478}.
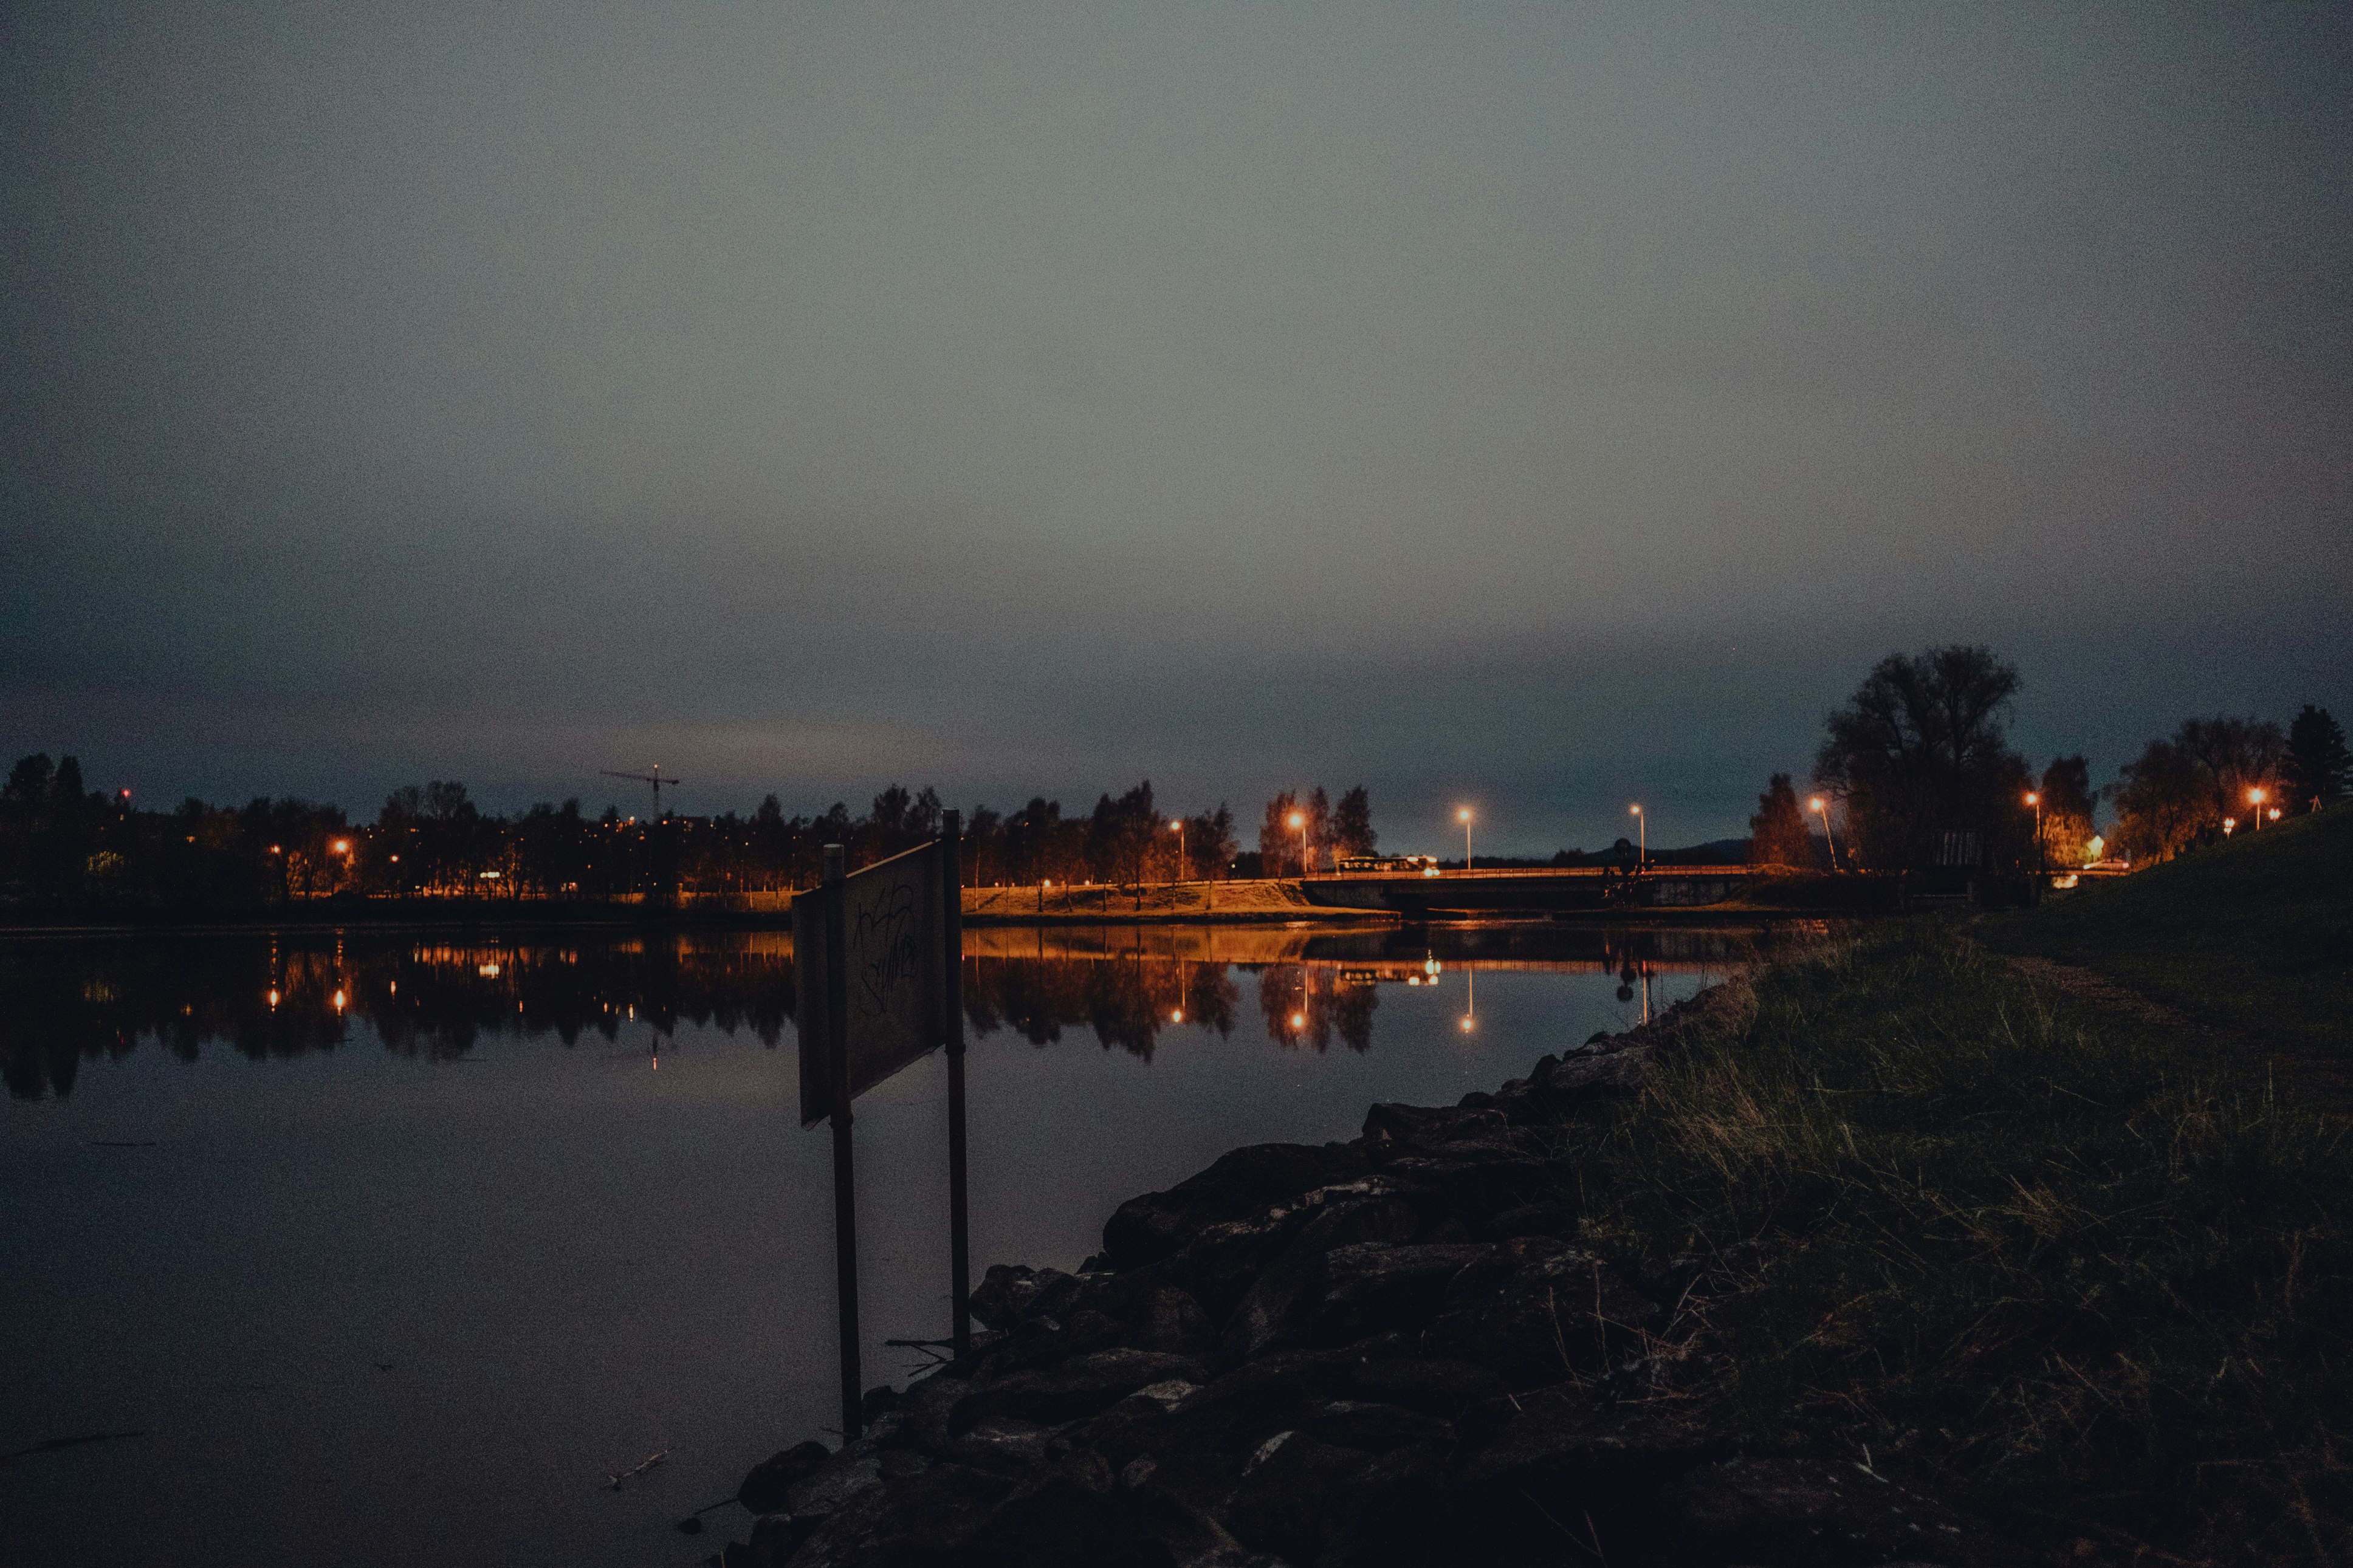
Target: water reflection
{"x": 63, "y": 1002}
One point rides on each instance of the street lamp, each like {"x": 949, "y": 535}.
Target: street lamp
{"x": 1822, "y": 807}
{"x": 2257, "y": 795}
{"x": 2228, "y": 823}
{"x": 1463, "y": 816}
{"x": 1180, "y": 825}
{"x": 1299, "y": 820}
{"x": 2035, "y": 801}
{"x": 1642, "y": 835}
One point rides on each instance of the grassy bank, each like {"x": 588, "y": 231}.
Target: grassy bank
{"x": 2083, "y": 1269}
{"x": 2254, "y": 935}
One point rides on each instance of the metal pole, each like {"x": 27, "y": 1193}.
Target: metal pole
{"x": 952, "y": 1008}
{"x": 845, "y": 1171}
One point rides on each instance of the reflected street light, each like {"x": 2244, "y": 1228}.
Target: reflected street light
{"x": 1471, "y": 1014}
{"x": 1463, "y": 816}
{"x": 1822, "y": 807}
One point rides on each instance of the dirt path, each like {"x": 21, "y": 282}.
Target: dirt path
{"x": 2092, "y": 987}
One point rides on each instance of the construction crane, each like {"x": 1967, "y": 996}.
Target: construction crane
{"x": 654, "y": 778}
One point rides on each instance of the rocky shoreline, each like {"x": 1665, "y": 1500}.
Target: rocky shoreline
{"x": 1391, "y": 1350}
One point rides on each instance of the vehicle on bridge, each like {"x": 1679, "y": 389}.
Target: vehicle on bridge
{"x": 1426, "y": 864}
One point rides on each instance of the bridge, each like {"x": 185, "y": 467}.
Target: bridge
{"x": 1547, "y": 889}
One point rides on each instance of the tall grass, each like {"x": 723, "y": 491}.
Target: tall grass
{"x": 2092, "y": 1271}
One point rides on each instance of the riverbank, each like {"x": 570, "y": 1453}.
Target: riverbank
{"x": 1890, "y": 1252}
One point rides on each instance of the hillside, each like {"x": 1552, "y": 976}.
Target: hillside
{"x": 2251, "y": 935}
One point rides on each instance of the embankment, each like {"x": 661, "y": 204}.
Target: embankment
{"x": 1889, "y": 1254}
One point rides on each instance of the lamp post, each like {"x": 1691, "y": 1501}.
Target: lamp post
{"x": 1180, "y": 825}
{"x": 1821, "y": 808}
{"x": 2257, "y": 795}
{"x": 1463, "y": 816}
{"x": 2228, "y": 823}
{"x": 1642, "y": 836}
{"x": 1299, "y": 820}
{"x": 2035, "y": 801}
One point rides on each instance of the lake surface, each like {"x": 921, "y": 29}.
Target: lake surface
{"x": 389, "y": 1248}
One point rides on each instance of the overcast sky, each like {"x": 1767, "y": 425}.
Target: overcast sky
{"x": 1537, "y": 405}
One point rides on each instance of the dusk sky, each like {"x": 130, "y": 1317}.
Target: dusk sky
{"x": 1539, "y": 406}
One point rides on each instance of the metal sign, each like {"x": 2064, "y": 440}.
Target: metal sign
{"x": 893, "y": 968}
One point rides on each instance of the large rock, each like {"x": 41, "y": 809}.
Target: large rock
{"x": 1279, "y": 1307}
{"x": 1198, "y": 1443}
{"x": 1296, "y": 1493}
{"x": 1007, "y": 1297}
{"x": 1167, "y": 1319}
{"x": 1430, "y": 1384}
{"x": 1537, "y": 1309}
{"x": 1369, "y": 1287}
{"x": 1243, "y": 1183}
{"x": 764, "y": 1490}
{"x": 1082, "y": 1385}
{"x": 1776, "y": 1510}
{"x": 1427, "y": 1127}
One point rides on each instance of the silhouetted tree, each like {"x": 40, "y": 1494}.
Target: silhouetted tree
{"x": 1920, "y": 752}
{"x": 1210, "y": 843}
{"x": 1352, "y": 824}
{"x": 2162, "y": 803}
{"x": 2066, "y": 791}
{"x": 1123, "y": 835}
{"x": 1319, "y": 828}
{"x": 2237, "y": 756}
{"x": 1778, "y": 835}
{"x": 2318, "y": 768}
{"x": 1278, "y": 841}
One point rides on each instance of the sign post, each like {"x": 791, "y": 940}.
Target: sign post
{"x": 877, "y": 963}
{"x": 952, "y": 1005}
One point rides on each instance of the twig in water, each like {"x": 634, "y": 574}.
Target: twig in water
{"x": 613, "y": 1483}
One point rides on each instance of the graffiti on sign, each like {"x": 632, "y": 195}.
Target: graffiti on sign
{"x": 893, "y": 940}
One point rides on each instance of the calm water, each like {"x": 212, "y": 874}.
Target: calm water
{"x": 389, "y": 1248}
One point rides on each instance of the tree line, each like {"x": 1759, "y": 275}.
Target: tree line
{"x": 1918, "y": 770}
{"x": 62, "y": 844}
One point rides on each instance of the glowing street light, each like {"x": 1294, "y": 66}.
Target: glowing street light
{"x": 1179, "y": 826}
{"x": 1821, "y": 808}
{"x": 2228, "y": 823}
{"x": 2035, "y": 801}
{"x": 1463, "y": 816}
{"x": 2257, "y": 795}
{"x": 2274, "y": 813}
{"x": 1299, "y": 820}
{"x": 1642, "y": 835}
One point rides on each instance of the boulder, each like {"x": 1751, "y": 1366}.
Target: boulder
{"x": 1430, "y": 1386}
{"x": 1561, "y": 1439}
{"x": 1170, "y": 1319}
{"x": 1373, "y": 1285}
{"x": 1279, "y": 1307}
{"x": 1082, "y": 1385}
{"x": 1296, "y": 1493}
{"x": 1425, "y": 1126}
{"x": 1536, "y": 1310}
{"x": 1776, "y": 1510}
{"x": 1007, "y": 1297}
{"x": 1241, "y": 1184}
{"x": 1375, "y": 1428}
{"x": 926, "y": 1518}
{"x": 765, "y": 1488}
